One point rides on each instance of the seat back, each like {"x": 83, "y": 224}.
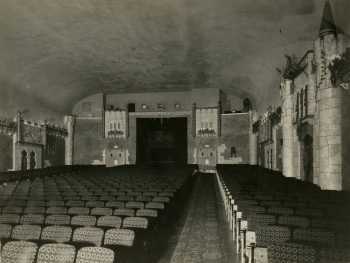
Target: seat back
{"x": 109, "y": 221}
{"x": 5, "y": 231}
{"x": 56, "y": 253}
{"x": 88, "y": 234}
{"x": 124, "y": 212}
{"x": 9, "y": 218}
{"x": 83, "y": 220}
{"x": 280, "y": 210}
{"x": 122, "y": 237}
{"x": 155, "y": 205}
{"x": 135, "y": 222}
{"x": 19, "y": 252}
{"x": 134, "y": 204}
{"x": 296, "y": 221}
{"x": 101, "y": 211}
{"x": 147, "y": 213}
{"x": 320, "y": 236}
{"x": 55, "y": 203}
{"x": 32, "y": 219}
{"x": 12, "y": 210}
{"x": 57, "y": 233}
{"x": 75, "y": 203}
{"x": 94, "y": 204}
{"x": 34, "y": 210}
{"x": 162, "y": 199}
{"x": 56, "y": 210}
{"x": 26, "y": 232}
{"x": 57, "y": 220}
{"x": 271, "y": 234}
{"x": 78, "y": 211}
{"x": 95, "y": 254}
{"x": 115, "y": 204}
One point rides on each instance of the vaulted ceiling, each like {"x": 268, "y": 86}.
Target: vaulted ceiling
{"x": 55, "y": 52}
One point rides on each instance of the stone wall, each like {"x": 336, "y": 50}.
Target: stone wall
{"x": 88, "y": 141}
{"x": 28, "y": 148}
{"x": 54, "y": 150}
{"x": 234, "y": 135}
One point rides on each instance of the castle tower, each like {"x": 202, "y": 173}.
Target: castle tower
{"x": 69, "y": 121}
{"x": 329, "y": 99}
{"x": 287, "y": 128}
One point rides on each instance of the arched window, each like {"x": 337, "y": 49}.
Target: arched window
{"x": 247, "y": 105}
{"x": 23, "y": 160}
{"x": 233, "y": 152}
{"x": 306, "y": 100}
{"x": 301, "y": 103}
{"x": 32, "y": 162}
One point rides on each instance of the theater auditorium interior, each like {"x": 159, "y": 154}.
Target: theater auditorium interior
{"x": 174, "y": 131}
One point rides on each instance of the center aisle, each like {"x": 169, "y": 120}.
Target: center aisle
{"x": 204, "y": 237}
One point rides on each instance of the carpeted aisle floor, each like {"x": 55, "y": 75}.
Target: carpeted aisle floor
{"x": 204, "y": 237}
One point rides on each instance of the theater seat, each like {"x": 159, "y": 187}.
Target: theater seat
{"x": 58, "y": 234}
{"x": 95, "y": 254}
{"x": 109, "y": 221}
{"x": 56, "y": 210}
{"x": 94, "y": 204}
{"x": 19, "y": 252}
{"x": 57, "y": 220}
{"x": 32, "y": 219}
{"x": 155, "y": 205}
{"x": 122, "y": 237}
{"x": 101, "y": 211}
{"x": 26, "y": 232}
{"x": 83, "y": 220}
{"x": 5, "y": 231}
{"x": 294, "y": 221}
{"x": 115, "y": 204}
{"x": 34, "y": 210}
{"x": 9, "y": 218}
{"x": 124, "y": 212}
{"x": 92, "y": 235}
{"x": 56, "y": 253}
{"x": 78, "y": 211}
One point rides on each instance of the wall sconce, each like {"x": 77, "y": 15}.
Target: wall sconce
{"x": 144, "y": 107}
{"x": 177, "y": 106}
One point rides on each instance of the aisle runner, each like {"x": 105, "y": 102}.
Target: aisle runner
{"x": 204, "y": 237}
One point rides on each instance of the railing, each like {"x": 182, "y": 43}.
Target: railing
{"x": 244, "y": 240}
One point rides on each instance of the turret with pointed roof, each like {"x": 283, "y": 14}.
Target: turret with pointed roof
{"x": 327, "y": 24}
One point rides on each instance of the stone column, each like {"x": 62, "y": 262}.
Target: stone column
{"x": 253, "y": 139}
{"x": 69, "y": 121}
{"x": 287, "y": 129}
{"x": 330, "y": 146}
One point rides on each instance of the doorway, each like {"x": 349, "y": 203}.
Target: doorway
{"x": 308, "y": 158}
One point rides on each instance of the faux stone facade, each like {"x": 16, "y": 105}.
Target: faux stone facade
{"x": 314, "y": 103}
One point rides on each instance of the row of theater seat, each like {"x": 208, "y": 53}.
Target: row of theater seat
{"x": 93, "y": 235}
{"x": 278, "y": 219}
{"x": 97, "y": 211}
{"x": 127, "y": 211}
{"x": 64, "y": 219}
{"x": 13, "y": 253}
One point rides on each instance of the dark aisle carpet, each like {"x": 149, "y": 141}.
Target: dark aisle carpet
{"x": 204, "y": 237}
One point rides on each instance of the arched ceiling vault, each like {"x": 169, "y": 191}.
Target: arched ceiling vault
{"x": 55, "y": 52}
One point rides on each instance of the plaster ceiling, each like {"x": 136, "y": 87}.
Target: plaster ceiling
{"x": 55, "y": 52}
